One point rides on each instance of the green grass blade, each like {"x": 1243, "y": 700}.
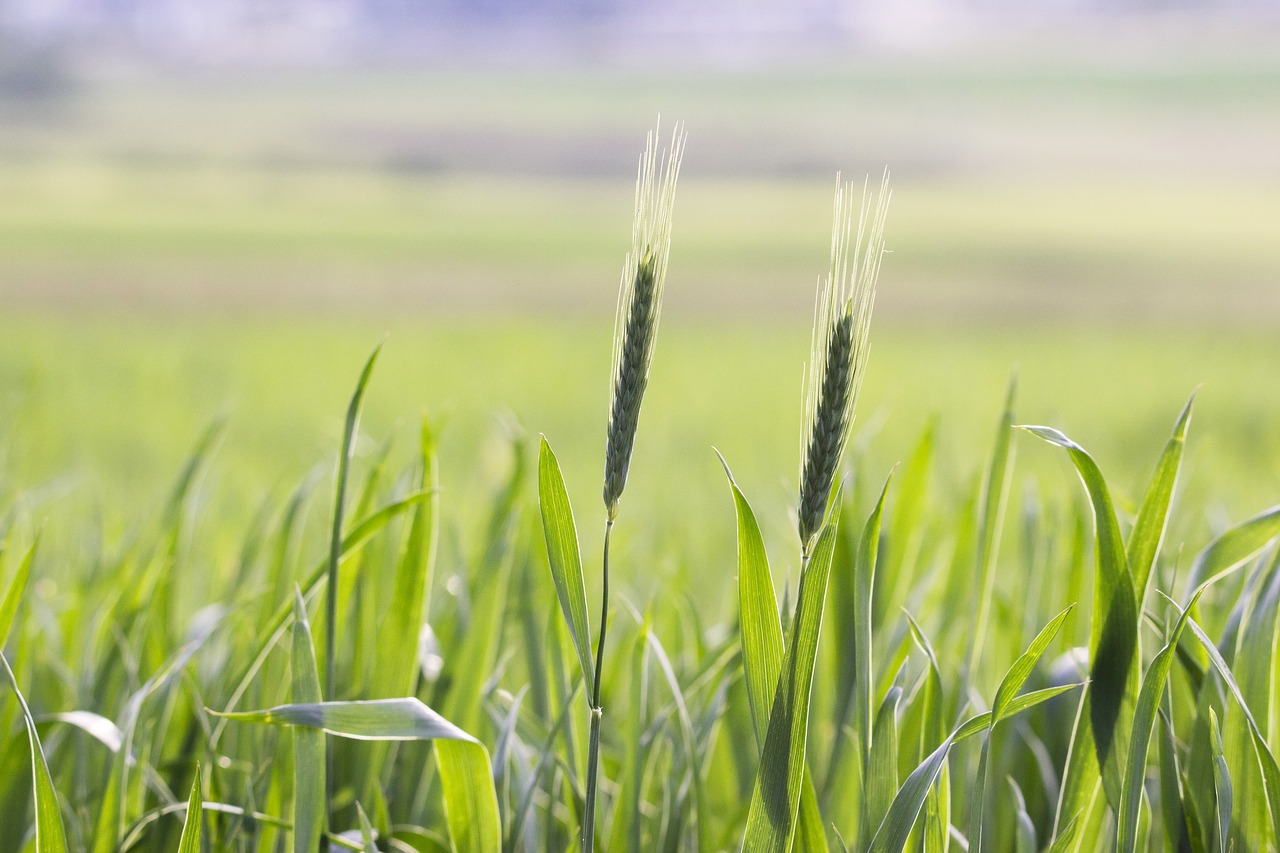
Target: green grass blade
{"x": 907, "y": 526}
{"x": 1153, "y": 516}
{"x": 775, "y": 797}
{"x": 470, "y": 799}
{"x": 192, "y": 825}
{"x": 1172, "y": 813}
{"x": 1221, "y": 785}
{"x": 979, "y": 723}
{"x": 1113, "y": 646}
{"x": 51, "y": 837}
{"x": 1005, "y": 694}
{"x": 1236, "y": 545}
{"x": 864, "y": 568}
{"x": 760, "y": 624}
{"x": 310, "y": 803}
{"x": 892, "y": 834}
{"x": 1153, "y": 684}
{"x": 1022, "y": 667}
{"x": 349, "y": 431}
{"x": 995, "y": 490}
{"x": 375, "y": 719}
{"x": 564, "y": 556}
{"x": 398, "y": 633}
{"x": 881, "y": 783}
{"x": 9, "y": 605}
{"x": 1025, "y": 829}
{"x": 367, "y": 835}
{"x": 1066, "y": 838}
{"x": 1266, "y": 759}
{"x": 762, "y": 649}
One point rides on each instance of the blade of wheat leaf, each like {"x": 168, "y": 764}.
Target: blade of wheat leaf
{"x": 470, "y": 798}
{"x": 1221, "y": 785}
{"x": 1012, "y": 682}
{"x": 1153, "y": 515}
{"x": 1266, "y": 758}
{"x": 51, "y": 837}
{"x": 564, "y": 556}
{"x": 762, "y": 649}
{"x": 310, "y": 803}
{"x": 367, "y": 835}
{"x": 1253, "y": 666}
{"x": 192, "y": 825}
{"x": 776, "y": 795}
{"x": 1236, "y": 545}
{"x": 1153, "y": 684}
{"x": 9, "y": 605}
{"x": 1113, "y": 645}
{"x": 992, "y": 504}
{"x": 892, "y": 834}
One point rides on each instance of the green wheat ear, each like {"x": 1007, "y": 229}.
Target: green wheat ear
{"x": 841, "y": 340}
{"x": 640, "y": 305}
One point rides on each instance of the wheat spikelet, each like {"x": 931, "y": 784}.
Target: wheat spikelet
{"x": 640, "y": 305}
{"x": 838, "y": 356}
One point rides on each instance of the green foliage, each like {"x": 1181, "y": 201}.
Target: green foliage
{"x": 724, "y": 722}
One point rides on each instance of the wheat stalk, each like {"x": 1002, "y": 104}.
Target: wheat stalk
{"x": 841, "y": 341}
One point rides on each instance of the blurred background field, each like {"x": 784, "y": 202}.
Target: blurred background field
{"x": 184, "y": 239}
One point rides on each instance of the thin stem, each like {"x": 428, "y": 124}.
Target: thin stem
{"x": 597, "y": 712}
{"x": 604, "y": 621}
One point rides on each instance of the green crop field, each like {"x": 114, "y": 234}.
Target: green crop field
{"x": 195, "y": 266}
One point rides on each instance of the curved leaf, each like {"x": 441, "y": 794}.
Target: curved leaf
{"x": 562, "y": 553}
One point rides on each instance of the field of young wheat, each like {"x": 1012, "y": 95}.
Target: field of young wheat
{"x": 986, "y": 640}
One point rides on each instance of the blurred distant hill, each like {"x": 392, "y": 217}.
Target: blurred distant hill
{"x": 729, "y": 32}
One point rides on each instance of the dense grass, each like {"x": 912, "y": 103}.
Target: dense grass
{"x": 111, "y": 599}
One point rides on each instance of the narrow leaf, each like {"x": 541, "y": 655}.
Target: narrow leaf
{"x": 310, "y": 805}
{"x": 1113, "y": 646}
{"x": 9, "y": 605}
{"x": 470, "y": 799}
{"x": 775, "y": 797}
{"x": 562, "y": 553}
{"x": 191, "y": 827}
{"x": 1153, "y": 516}
{"x": 762, "y": 648}
{"x": 50, "y": 835}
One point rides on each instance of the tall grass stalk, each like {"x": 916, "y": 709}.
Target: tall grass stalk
{"x": 635, "y": 329}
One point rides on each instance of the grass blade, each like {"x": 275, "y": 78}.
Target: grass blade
{"x": 1153, "y": 516}
{"x": 1144, "y": 718}
{"x": 349, "y": 431}
{"x": 1236, "y": 545}
{"x": 191, "y": 827}
{"x": 776, "y": 795}
{"x": 1005, "y": 694}
{"x": 892, "y": 834}
{"x": 51, "y": 837}
{"x": 310, "y": 788}
{"x": 377, "y": 719}
{"x": 470, "y": 799}
{"x": 9, "y": 606}
{"x": 1266, "y": 759}
{"x": 367, "y": 835}
{"x": 1113, "y": 642}
{"x": 1022, "y": 667}
{"x": 1221, "y": 784}
{"x": 564, "y": 556}
{"x": 995, "y": 490}
{"x": 762, "y": 649}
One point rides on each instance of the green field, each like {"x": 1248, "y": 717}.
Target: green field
{"x": 191, "y": 249}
